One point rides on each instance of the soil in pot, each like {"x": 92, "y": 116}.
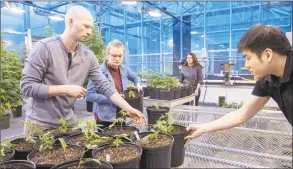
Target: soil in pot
{"x": 156, "y": 151}
{"x": 23, "y": 148}
{"x": 177, "y": 93}
{"x": 155, "y": 114}
{"x": 167, "y": 94}
{"x": 117, "y": 130}
{"x": 124, "y": 156}
{"x": 48, "y": 158}
{"x": 86, "y": 165}
{"x": 17, "y": 164}
{"x": 80, "y": 140}
{"x": 69, "y": 132}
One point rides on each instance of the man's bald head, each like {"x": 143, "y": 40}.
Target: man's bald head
{"x": 79, "y": 23}
{"x": 78, "y": 13}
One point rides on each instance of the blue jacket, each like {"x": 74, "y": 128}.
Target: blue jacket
{"x": 104, "y": 108}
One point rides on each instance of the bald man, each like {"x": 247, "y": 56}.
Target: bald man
{"x": 57, "y": 68}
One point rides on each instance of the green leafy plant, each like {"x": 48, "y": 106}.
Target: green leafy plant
{"x": 4, "y": 147}
{"x": 64, "y": 126}
{"x": 163, "y": 125}
{"x": 47, "y": 141}
{"x": 33, "y": 130}
{"x": 10, "y": 75}
{"x": 131, "y": 94}
{"x": 117, "y": 142}
{"x": 157, "y": 104}
{"x": 119, "y": 120}
{"x": 149, "y": 137}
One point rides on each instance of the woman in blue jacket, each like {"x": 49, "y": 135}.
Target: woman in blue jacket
{"x": 112, "y": 68}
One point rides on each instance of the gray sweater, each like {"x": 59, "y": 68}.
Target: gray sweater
{"x": 48, "y": 64}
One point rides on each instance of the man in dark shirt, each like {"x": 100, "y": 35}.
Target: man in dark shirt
{"x": 268, "y": 55}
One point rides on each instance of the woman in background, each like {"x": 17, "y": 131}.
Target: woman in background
{"x": 192, "y": 72}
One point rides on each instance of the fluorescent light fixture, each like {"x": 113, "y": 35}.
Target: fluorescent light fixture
{"x": 196, "y": 46}
{"x": 15, "y": 10}
{"x": 154, "y": 13}
{"x": 56, "y": 18}
{"x": 129, "y": 2}
{"x": 202, "y": 36}
{"x": 194, "y": 32}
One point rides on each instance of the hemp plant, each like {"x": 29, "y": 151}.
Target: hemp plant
{"x": 4, "y": 147}
{"x": 34, "y": 129}
{"x": 164, "y": 124}
{"x": 63, "y": 143}
{"x": 47, "y": 141}
{"x": 119, "y": 120}
{"x": 158, "y": 104}
{"x": 64, "y": 126}
{"x": 131, "y": 94}
{"x": 149, "y": 137}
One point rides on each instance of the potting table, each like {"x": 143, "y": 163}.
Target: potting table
{"x": 166, "y": 103}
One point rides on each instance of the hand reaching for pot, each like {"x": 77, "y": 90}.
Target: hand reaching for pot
{"x": 137, "y": 116}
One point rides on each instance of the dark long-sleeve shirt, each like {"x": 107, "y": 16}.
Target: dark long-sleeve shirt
{"x": 192, "y": 74}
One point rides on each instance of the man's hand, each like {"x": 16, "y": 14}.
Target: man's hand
{"x": 194, "y": 131}
{"x": 75, "y": 91}
{"x": 137, "y": 116}
{"x": 139, "y": 88}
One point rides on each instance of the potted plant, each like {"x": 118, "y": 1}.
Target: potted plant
{"x": 167, "y": 89}
{"x": 177, "y": 91}
{"x": 10, "y": 74}
{"x": 178, "y": 132}
{"x": 50, "y": 154}
{"x": 6, "y": 151}
{"x": 17, "y": 164}
{"x": 119, "y": 154}
{"x": 155, "y": 112}
{"x": 134, "y": 97}
{"x": 23, "y": 146}
{"x": 116, "y": 130}
{"x": 156, "y": 149}
{"x": 90, "y": 138}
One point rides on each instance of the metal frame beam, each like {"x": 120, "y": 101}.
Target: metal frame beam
{"x": 58, "y": 5}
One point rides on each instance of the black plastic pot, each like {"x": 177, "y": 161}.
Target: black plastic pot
{"x": 89, "y": 106}
{"x": 153, "y": 94}
{"x": 8, "y": 156}
{"x": 183, "y": 91}
{"x": 177, "y": 93}
{"x": 134, "y": 163}
{"x": 21, "y": 163}
{"x": 88, "y": 164}
{"x": 146, "y": 91}
{"x": 158, "y": 93}
{"x": 48, "y": 166}
{"x": 178, "y": 150}
{"x": 118, "y": 127}
{"x": 18, "y": 111}
{"x": 4, "y": 121}
{"x": 159, "y": 157}
{"x": 154, "y": 115}
{"x": 137, "y": 101}
{"x": 189, "y": 90}
{"x": 20, "y": 154}
{"x": 167, "y": 94}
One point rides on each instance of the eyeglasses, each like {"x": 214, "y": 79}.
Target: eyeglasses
{"x": 115, "y": 55}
